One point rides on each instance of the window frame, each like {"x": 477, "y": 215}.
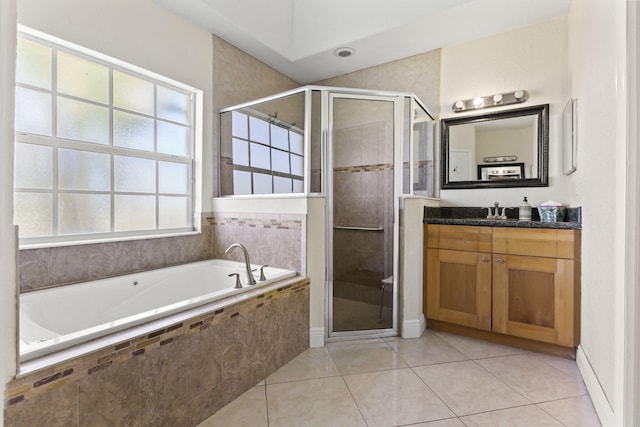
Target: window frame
{"x": 273, "y": 173}
{"x": 192, "y": 160}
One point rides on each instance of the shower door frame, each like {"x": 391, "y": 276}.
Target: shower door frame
{"x": 328, "y": 97}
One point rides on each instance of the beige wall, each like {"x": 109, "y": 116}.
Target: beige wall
{"x": 597, "y": 62}
{"x": 239, "y": 77}
{"x": 533, "y": 58}
{"x": 418, "y": 74}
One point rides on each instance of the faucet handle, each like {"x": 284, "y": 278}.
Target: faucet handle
{"x": 238, "y": 284}
{"x": 262, "y": 276}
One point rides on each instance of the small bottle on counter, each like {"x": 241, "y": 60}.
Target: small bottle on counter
{"x": 524, "y": 211}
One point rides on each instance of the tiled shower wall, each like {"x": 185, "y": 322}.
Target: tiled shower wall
{"x": 363, "y": 194}
{"x": 277, "y": 240}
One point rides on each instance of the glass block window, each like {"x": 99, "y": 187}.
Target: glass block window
{"x": 267, "y": 158}
{"x": 102, "y": 150}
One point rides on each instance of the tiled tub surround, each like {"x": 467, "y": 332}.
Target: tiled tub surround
{"x": 178, "y": 374}
{"x": 273, "y": 239}
{"x": 103, "y": 307}
{"x": 477, "y": 215}
{"x": 47, "y": 267}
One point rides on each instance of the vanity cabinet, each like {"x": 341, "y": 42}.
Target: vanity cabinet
{"x": 515, "y": 281}
{"x": 458, "y": 275}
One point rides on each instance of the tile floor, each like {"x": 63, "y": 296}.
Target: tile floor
{"x": 438, "y": 380}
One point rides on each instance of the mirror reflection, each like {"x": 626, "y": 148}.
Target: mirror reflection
{"x": 503, "y": 149}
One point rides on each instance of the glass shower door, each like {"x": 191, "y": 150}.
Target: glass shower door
{"x": 361, "y": 214}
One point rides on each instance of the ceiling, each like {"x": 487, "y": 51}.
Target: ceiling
{"x": 298, "y": 37}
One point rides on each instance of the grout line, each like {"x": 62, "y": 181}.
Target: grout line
{"x": 413, "y": 369}
{"x": 266, "y": 401}
{"x": 348, "y": 389}
{"x": 503, "y": 382}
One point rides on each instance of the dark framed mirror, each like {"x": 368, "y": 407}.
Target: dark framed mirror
{"x": 507, "y": 148}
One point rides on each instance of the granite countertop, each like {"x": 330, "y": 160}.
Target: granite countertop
{"x": 477, "y": 216}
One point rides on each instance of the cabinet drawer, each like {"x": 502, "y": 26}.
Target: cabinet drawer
{"x": 459, "y": 237}
{"x": 535, "y": 242}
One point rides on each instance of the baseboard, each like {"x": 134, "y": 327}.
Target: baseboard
{"x": 597, "y": 394}
{"x": 316, "y": 337}
{"x": 413, "y": 328}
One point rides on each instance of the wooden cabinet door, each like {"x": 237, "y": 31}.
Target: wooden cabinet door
{"x": 459, "y": 287}
{"x": 533, "y": 298}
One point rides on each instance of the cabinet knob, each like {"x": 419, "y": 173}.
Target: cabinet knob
{"x": 499, "y": 260}
{"x": 484, "y": 259}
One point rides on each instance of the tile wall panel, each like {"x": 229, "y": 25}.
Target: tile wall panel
{"x": 47, "y": 267}
{"x": 274, "y": 239}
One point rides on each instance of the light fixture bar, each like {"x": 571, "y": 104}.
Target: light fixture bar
{"x": 497, "y": 100}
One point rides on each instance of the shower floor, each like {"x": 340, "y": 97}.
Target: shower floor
{"x": 356, "y": 302}
{"x": 351, "y": 315}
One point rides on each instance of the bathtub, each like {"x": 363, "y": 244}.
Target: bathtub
{"x": 58, "y": 318}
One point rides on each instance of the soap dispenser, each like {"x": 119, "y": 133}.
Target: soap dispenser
{"x": 524, "y": 211}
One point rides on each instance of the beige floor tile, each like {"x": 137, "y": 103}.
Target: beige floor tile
{"x": 451, "y": 422}
{"x": 523, "y": 416}
{"x": 365, "y": 357}
{"x": 312, "y": 403}
{"x": 427, "y": 350}
{"x": 468, "y": 389}
{"x": 573, "y": 412}
{"x": 534, "y": 379}
{"x": 248, "y": 410}
{"x": 395, "y": 397}
{"x": 312, "y": 363}
{"x": 478, "y": 349}
{"x": 353, "y": 342}
{"x": 567, "y": 366}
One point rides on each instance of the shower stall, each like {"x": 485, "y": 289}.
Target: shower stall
{"x": 363, "y": 151}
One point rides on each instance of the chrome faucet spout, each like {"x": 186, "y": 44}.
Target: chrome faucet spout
{"x": 249, "y": 279}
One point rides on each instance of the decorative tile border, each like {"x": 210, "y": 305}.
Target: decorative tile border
{"x": 40, "y": 382}
{"x": 364, "y": 168}
{"x": 281, "y": 224}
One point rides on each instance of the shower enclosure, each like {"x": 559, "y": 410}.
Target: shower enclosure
{"x": 361, "y": 150}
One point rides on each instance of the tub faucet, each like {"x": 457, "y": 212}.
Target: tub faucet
{"x": 248, "y": 280}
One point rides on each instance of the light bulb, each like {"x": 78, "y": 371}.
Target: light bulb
{"x": 459, "y": 105}
{"x": 518, "y": 94}
{"x": 477, "y": 102}
{"x": 497, "y": 98}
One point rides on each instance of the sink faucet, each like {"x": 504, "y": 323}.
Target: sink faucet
{"x": 248, "y": 280}
{"x": 496, "y": 212}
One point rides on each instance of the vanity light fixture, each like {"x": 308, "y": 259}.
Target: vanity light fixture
{"x": 496, "y": 100}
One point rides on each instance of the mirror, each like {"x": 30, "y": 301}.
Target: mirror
{"x": 496, "y": 150}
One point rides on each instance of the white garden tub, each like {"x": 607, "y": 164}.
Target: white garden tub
{"x": 58, "y": 318}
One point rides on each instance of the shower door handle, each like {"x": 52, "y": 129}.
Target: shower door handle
{"x": 342, "y": 227}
